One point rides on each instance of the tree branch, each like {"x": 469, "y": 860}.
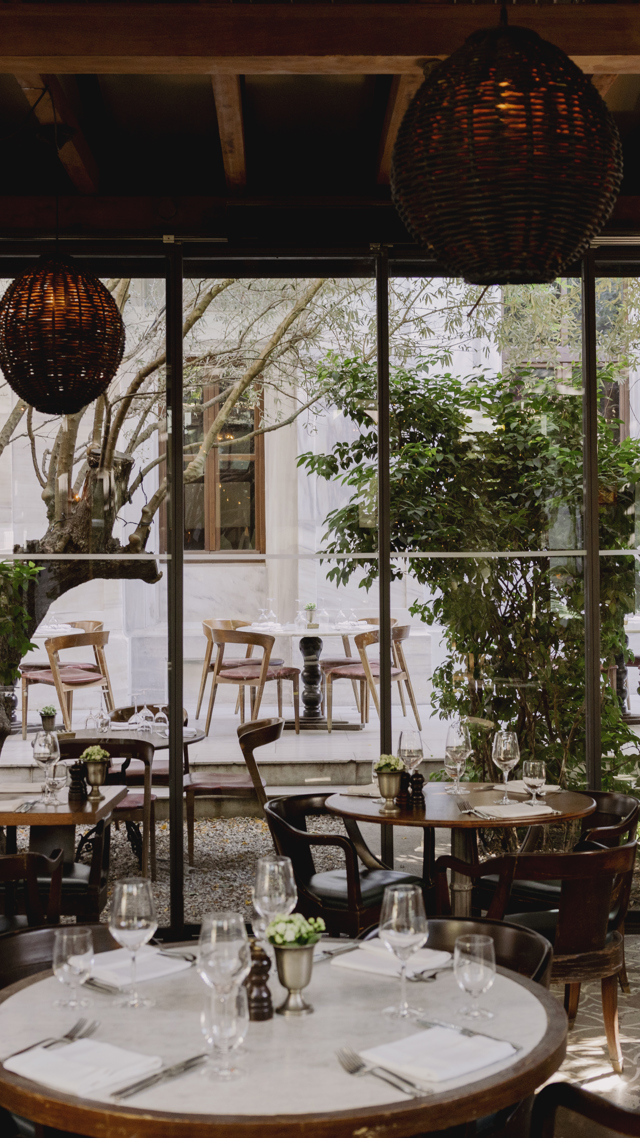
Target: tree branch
{"x": 32, "y": 443}
{"x": 12, "y": 422}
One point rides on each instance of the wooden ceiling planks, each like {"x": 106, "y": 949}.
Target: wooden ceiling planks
{"x": 52, "y": 109}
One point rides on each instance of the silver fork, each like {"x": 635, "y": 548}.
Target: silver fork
{"x": 354, "y": 1064}
{"x": 79, "y": 1033}
{"x": 68, "y": 1037}
{"x": 427, "y": 976}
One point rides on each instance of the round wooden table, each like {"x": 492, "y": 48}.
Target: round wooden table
{"x": 441, "y": 811}
{"x": 293, "y": 1085}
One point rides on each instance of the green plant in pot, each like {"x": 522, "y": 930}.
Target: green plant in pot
{"x": 48, "y": 717}
{"x": 310, "y": 610}
{"x": 15, "y": 580}
{"x": 389, "y": 770}
{"x": 96, "y": 761}
{"x": 293, "y": 938}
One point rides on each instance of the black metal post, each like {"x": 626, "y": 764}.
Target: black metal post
{"x": 175, "y": 549}
{"x": 384, "y": 522}
{"x": 593, "y": 749}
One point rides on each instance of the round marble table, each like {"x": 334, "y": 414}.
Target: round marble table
{"x": 293, "y": 1085}
{"x": 440, "y": 810}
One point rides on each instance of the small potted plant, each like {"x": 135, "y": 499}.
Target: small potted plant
{"x": 293, "y": 939}
{"x": 389, "y": 770}
{"x": 96, "y": 761}
{"x": 48, "y": 717}
{"x": 310, "y": 610}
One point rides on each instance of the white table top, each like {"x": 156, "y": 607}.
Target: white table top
{"x": 292, "y": 632}
{"x": 290, "y": 1063}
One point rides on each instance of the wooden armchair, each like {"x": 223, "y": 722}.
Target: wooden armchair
{"x": 68, "y": 678}
{"x": 251, "y": 675}
{"x": 26, "y": 952}
{"x": 595, "y": 886}
{"x": 367, "y": 673}
{"x": 349, "y": 900}
{"x": 22, "y": 886}
{"x": 596, "y": 1108}
{"x": 230, "y": 662}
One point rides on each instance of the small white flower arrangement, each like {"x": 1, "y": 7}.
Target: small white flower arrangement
{"x": 389, "y": 763}
{"x": 295, "y": 930}
{"x": 94, "y": 754}
{"x": 310, "y": 606}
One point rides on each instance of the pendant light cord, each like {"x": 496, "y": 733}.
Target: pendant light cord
{"x": 57, "y": 169}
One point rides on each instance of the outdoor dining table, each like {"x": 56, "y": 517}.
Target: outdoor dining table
{"x": 293, "y": 1083}
{"x": 53, "y": 825}
{"x": 440, "y": 810}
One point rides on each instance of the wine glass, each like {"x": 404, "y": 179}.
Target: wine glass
{"x": 161, "y": 720}
{"x": 72, "y": 961}
{"x": 506, "y": 756}
{"x": 274, "y": 891}
{"x": 457, "y": 750}
{"x": 224, "y": 1021}
{"x": 224, "y": 957}
{"x": 271, "y": 617}
{"x": 132, "y": 923}
{"x": 474, "y": 965}
{"x": 534, "y": 776}
{"x": 410, "y": 748}
{"x": 46, "y": 752}
{"x": 103, "y": 721}
{"x": 403, "y": 930}
{"x": 90, "y": 722}
{"x": 145, "y": 716}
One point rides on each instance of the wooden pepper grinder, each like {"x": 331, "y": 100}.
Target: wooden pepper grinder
{"x": 404, "y": 797}
{"x": 417, "y": 783}
{"x": 78, "y": 791}
{"x": 258, "y": 994}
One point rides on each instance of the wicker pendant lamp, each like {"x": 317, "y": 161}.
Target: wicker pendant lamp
{"x": 61, "y": 336}
{"x": 507, "y": 161}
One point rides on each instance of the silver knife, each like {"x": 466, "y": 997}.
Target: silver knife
{"x": 160, "y": 1076}
{"x": 327, "y": 953}
{"x": 466, "y": 1031}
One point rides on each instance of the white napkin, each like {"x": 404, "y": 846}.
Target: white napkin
{"x": 83, "y": 1068}
{"x": 115, "y": 967}
{"x": 513, "y": 811}
{"x": 438, "y": 1054}
{"x": 369, "y": 790}
{"x": 518, "y": 787}
{"x": 372, "y": 956}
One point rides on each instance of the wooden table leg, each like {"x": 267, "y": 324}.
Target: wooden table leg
{"x": 463, "y": 846}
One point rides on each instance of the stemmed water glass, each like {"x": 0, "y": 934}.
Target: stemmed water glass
{"x": 72, "y": 961}
{"x": 474, "y": 965}
{"x": 274, "y": 888}
{"x": 145, "y": 716}
{"x": 132, "y": 923}
{"x": 224, "y": 1021}
{"x": 410, "y": 748}
{"x": 534, "y": 776}
{"x": 224, "y": 957}
{"x": 457, "y": 751}
{"x": 46, "y": 752}
{"x": 161, "y": 720}
{"x": 403, "y": 930}
{"x": 506, "y": 756}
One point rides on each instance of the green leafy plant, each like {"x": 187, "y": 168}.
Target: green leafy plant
{"x": 295, "y": 930}
{"x": 49, "y": 710}
{"x": 15, "y": 642}
{"x": 94, "y": 754}
{"x": 389, "y": 763}
{"x": 310, "y": 606}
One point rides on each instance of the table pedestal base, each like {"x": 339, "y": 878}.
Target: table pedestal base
{"x": 463, "y": 846}
{"x": 321, "y": 725}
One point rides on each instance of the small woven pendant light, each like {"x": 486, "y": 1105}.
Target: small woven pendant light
{"x": 507, "y": 161}
{"x": 61, "y": 336}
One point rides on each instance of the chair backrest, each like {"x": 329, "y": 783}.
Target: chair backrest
{"x": 287, "y": 820}
{"x": 28, "y": 951}
{"x": 522, "y": 950}
{"x": 125, "y": 749}
{"x": 222, "y": 636}
{"x": 615, "y": 818}
{"x": 376, "y": 620}
{"x": 96, "y": 640}
{"x": 596, "y": 1108}
{"x": 223, "y": 626}
{"x": 254, "y": 735}
{"x": 88, "y": 625}
{"x": 123, "y": 714}
{"x": 364, "y": 639}
{"x": 19, "y": 874}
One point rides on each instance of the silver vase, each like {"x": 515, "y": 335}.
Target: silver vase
{"x": 295, "y": 964}
{"x": 96, "y": 777}
{"x": 389, "y": 783}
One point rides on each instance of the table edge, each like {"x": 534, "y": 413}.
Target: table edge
{"x": 466, "y": 822}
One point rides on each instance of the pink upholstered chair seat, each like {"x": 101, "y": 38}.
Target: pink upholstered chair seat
{"x": 242, "y": 662}
{"x": 251, "y": 673}
{"x": 133, "y": 802}
{"x": 69, "y": 674}
{"x": 357, "y": 672}
{"x": 222, "y": 783}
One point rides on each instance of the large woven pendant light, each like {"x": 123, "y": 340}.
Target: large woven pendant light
{"x": 507, "y": 161}
{"x": 61, "y": 336}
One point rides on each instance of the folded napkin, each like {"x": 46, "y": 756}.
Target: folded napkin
{"x": 438, "y": 1054}
{"x": 370, "y": 790}
{"x": 115, "y": 967}
{"x": 516, "y": 811}
{"x": 518, "y": 787}
{"x": 83, "y": 1068}
{"x": 372, "y": 956}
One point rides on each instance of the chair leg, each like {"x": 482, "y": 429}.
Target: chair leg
{"x": 363, "y": 703}
{"x": 242, "y": 704}
{"x": 255, "y": 709}
{"x": 623, "y": 979}
{"x": 69, "y": 710}
{"x": 279, "y": 686}
{"x": 323, "y": 689}
{"x": 571, "y": 1001}
{"x": 191, "y": 817}
{"x": 610, "y": 1014}
{"x": 412, "y": 700}
{"x": 403, "y": 702}
{"x": 203, "y": 681}
{"x": 296, "y": 705}
{"x": 152, "y": 841}
{"x": 25, "y": 705}
{"x": 212, "y": 700}
{"x": 329, "y": 702}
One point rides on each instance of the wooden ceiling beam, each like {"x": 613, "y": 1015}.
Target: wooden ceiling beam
{"x": 403, "y": 88}
{"x": 237, "y": 39}
{"x": 51, "y": 107}
{"x": 603, "y": 83}
{"x": 228, "y": 98}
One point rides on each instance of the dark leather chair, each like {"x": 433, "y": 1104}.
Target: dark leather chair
{"x": 348, "y": 900}
{"x": 614, "y": 1119}
{"x": 594, "y": 897}
{"x": 522, "y": 950}
{"x": 27, "y": 951}
{"x": 26, "y": 881}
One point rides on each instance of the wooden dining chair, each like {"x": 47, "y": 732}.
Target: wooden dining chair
{"x": 612, "y": 1118}
{"x": 25, "y": 952}
{"x": 367, "y": 673}
{"x": 230, "y": 662}
{"x": 349, "y": 900}
{"x": 249, "y": 786}
{"x": 68, "y": 678}
{"x": 594, "y": 898}
{"x": 251, "y": 675}
{"x": 25, "y": 898}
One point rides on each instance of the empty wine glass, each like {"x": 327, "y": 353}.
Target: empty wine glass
{"x": 534, "y": 776}
{"x": 403, "y": 930}
{"x": 72, "y": 961}
{"x": 506, "y": 756}
{"x": 474, "y": 965}
{"x": 90, "y": 722}
{"x": 132, "y": 923}
{"x": 161, "y": 720}
{"x": 262, "y": 619}
{"x": 46, "y": 752}
{"x": 103, "y": 721}
{"x": 145, "y": 716}
{"x": 457, "y": 751}
{"x": 134, "y": 720}
{"x": 224, "y": 957}
{"x": 271, "y": 616}
{"x": 274, "y": 890}
{"x": 410, "y": 748}
{"x": 224, "y": 1021}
